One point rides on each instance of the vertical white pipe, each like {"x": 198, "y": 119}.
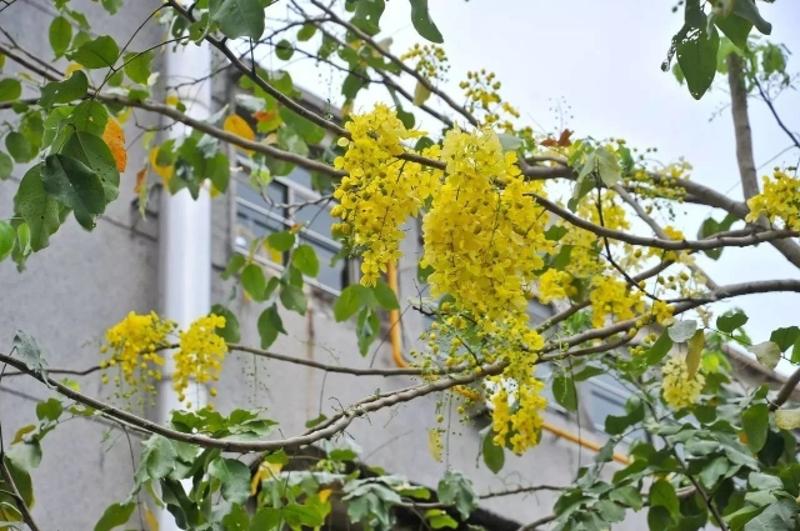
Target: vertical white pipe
{"x": 184, "y": 235}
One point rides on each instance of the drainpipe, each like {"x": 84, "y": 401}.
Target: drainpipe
{"x": 184, "y": 237}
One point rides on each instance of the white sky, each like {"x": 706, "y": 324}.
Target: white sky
{"x": 600, "y": 63}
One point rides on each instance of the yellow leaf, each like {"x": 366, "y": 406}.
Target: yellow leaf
{"x": 324, "y": 494}
{"x": 787, "y": 419}
{"x": 695, "y": 349}
{"x": 114, "y": 137}
{"x": 237, "y": 125}
{"x": 172, "y": 99}
{"x": 71, "y": 69}
{"x": 22, "y": 432}
{"x": 421, "y": 94}
{"x": 265, "y": 470}
{"x": 150, "y": 519}
{"x": 165, "y": 172}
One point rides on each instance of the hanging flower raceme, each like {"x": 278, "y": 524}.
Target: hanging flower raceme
{"x": 611, "y": 297}
{"x": 780, "y": 200}
{"x": 380, "y": 191}
{"x": 200, "y": 354}
{"x": 517, "y": 417}
{"x": 679, "y": 388}
{"x": 135, "y": 342}
{"x": 133, "y": 345}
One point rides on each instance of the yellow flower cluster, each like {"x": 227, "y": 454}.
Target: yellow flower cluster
{"x": 521, "y": 425}
{"x": 611, "y": 297}
{"x": 133, "y": 344}
{"x": 555, "y": 284}
{"x": 678, "y": 387}
{"x": 200, "y": 355}
{"x": 481, "y": 89}
{"x": 431, "y": 60}
{"x": 380, "y": 191}
{"x": 661, "y": 182}
{"x": 483, "y": 235}
{"x": 780, "y": 199}
{"x": 662, "y": 313}
{"x": 585, "y": 260}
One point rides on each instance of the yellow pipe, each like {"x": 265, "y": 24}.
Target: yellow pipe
{"x": 394, "y": 320}
{"x": 591, "y": 445}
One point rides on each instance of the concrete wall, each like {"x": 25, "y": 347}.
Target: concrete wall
{"x": 69, "y": 294}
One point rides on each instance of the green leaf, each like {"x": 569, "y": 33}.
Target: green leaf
{"x": 439, "y": 519}
{"x": 779, "y": 515}
{"x": 608, "y": 167}
{"x": 230, "y": 332}
{"x": 241, "y": 18}
{"x": 767, "y": 353}
{"x": 293, "y": 298}
{"x": 234, "y": 476}
{"x": 747, "y": 10}
{"x": 235, "y": 264}
{"x": 564, "y": 391}
{"x": 353, "y": 297}
{"x": 493, "y": 455}
{"x": 60, "y": 35}
{"x": 10, "y": 89}
{"x": 50, "y": 409}
{"x": 455, "y": 489}
{"x": 19, "y": 147}
{"x": 367, "y": 328}
{"x": 385, "y": 296}
{"x": 628, "y": 496}
{"x": 697, "y": 50}
{"x": 367, "y": 16}
{"x": 7, "y": 237}
{"x": 735, "y": 28}
{"x": 284, "y": 50}
{"x": 269, "y": 326}
{"x": 253, "y": 281}
{"x": 785, "y": 337}
{"x": 41, "y": 212}
{"x": 281, "y": 241}
{"x": 6, "y": 166}
{"x": 92, "y": 151}
{"x": 101, "y": 52}
{"x": 306, "y": 32}
{"x": 682, "y": 331}
{"x": 731, "y": 320}
{"x": 138, "y": 66}
{"x": 305, "y": 259}
{"x": 65, "y": 91}
{"x": 76, "y": 186}
{"x": 755, "y": 421}
{"x": 90, "y": 116}
{"x": 115, "y": 515}
{"x": 421, "y": 19}
{"x": 662, "y": 494}
{"x": 616, "y": 425}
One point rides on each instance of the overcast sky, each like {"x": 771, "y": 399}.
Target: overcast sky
{"x": 599, "y": 62}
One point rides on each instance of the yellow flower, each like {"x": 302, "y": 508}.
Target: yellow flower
{"x": 610, "y": 297}
{"x": 522, "y": 426}
{"x": 380, "y": 192}
{"x": 201, "y": 353}
{"x": 780, "y": 200}
{"x": 555, "y": 284}
{"x": 678, "y": 388}
{"x": 133, "y": 344}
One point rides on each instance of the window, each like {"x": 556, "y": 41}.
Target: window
{"x": 258, "y": 215}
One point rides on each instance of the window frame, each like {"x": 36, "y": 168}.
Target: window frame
{"x": 292, "y": 190}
